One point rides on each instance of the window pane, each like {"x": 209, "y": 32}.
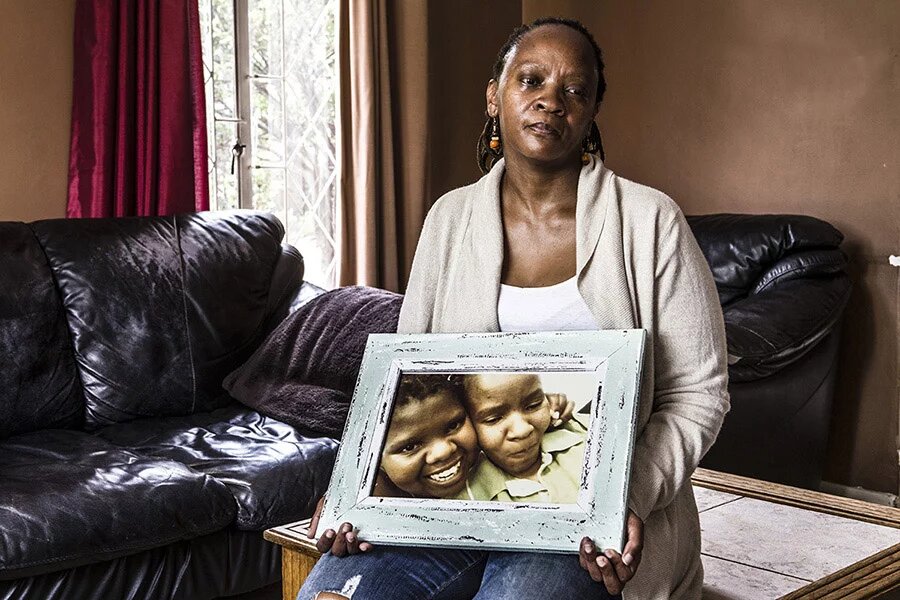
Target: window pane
{"x": 265, "y": 36}
{"x": 267, "y": 122}
{"x": 205, "y": 11}
{"x": 313, "y": 237}
{"x": 268, "y": 192}
{"x": 225, "y": 190}
{"x": 310, "y": 88}
{"x": 223, "y": 63}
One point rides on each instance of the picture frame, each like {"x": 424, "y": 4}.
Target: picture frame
{"x": 614, "y": 357}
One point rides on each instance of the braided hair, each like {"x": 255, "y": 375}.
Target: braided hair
{"x": 487, "y": 156}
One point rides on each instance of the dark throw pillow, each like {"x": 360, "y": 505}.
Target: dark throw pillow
{"x": 303, "y": 374}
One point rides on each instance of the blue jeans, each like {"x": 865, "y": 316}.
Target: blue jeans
{"x": 401, "y": 573}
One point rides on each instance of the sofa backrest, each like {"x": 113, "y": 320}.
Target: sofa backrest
{"x": 160, "y": 309}
{"x": 39, "y": 385}
{"x": 749, "y": 253}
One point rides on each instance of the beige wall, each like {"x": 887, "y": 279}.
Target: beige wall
{"x": 782, "y": 107}
{"x": 35, "y": 107}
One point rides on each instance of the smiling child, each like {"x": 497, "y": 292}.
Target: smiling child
{"x": 430, "y": 445}
{"x": 525, "y": 462}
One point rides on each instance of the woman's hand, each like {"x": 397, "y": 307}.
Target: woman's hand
{"x": 342, "y": 542}
{"x": 561, "y": 409}
{"x": 612, "y": 569}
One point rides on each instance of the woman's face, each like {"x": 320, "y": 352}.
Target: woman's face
{"x": 546, "y": 98}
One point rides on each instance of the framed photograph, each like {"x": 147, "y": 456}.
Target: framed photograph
{"x": 506, "y": 441}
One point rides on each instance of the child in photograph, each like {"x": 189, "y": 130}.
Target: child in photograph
{"x": 430, "y": 445}
{"x": 524, "y": 461}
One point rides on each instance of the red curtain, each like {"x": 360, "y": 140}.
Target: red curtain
{"x": 138, "y": 112}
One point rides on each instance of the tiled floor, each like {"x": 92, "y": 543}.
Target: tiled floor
{"x": 748, "y": 554}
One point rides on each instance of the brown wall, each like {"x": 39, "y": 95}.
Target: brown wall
{"x": 463, "y": 40}
{"x": 783, "y": 107}
{"x": 35, "y": 107}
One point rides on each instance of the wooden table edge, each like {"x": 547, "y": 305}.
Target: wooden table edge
{"x": 866, "y": 578}
{"x": 792, "y": 496}
{"x": 286, "y": 537}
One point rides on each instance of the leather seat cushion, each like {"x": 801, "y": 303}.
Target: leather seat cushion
{"x": 68, "y": 498}
{"x": 275, "y": 472}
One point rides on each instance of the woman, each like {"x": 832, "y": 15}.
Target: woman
{"x": 549, "y": 220}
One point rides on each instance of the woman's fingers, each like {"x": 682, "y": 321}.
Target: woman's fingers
{"x": 610, "y": 577}
{"x": 587, "y": 558}
{"x": 352, "y": 539}
{"x": 342, "y": 542}
{"x": 314, "y": 522}
{"x": 339, "y": 547}
{"x": 608, "y": 568}
{"x": 634, "y": 548}
{"x": 623, "y": 572}
{"x": 324, "y": 543}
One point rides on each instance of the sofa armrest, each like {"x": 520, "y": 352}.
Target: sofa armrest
{"x": 769, "y": 330}
{"x": 288, "y": 291}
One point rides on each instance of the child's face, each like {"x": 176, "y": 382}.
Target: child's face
{"x": 430, "y": 447}
{"x": 510, "y": 413}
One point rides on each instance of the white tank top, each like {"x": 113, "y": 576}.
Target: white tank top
{"x": 552, "y": 308}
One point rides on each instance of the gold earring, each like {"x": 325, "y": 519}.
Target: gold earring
{"x": 585, "y": 152}
{"x": 495, "y": 135}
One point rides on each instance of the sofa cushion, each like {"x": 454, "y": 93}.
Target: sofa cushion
{"x": 39, "y": 385}
{"x": 68, "y": 498}
{"x": 305, "y": 371}
{"x": 162, "y": 308}
{"x": 274, "y": 472}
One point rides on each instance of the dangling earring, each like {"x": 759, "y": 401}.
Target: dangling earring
{"x": 585, "y": 155}
{"x": 495, "y": 135}
{"x": 589, "y": 146}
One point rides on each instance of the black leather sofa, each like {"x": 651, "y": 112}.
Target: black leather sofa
{"x": 125, "y": 470}
{"x": 782, "y": 284}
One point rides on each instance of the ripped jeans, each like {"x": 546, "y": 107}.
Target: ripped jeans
{"x": 403, "y": 573}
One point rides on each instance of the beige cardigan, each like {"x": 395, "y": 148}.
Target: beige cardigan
{"x": 638, "y": 266}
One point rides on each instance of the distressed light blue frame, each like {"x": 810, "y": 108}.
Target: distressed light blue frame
{"x": 601, "y": 509}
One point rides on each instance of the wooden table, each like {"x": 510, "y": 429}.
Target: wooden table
{"x": 298, "y": 555}
{"x": 867, "y": 578}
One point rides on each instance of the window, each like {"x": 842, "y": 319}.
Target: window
{"x": 271, "y": 86}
